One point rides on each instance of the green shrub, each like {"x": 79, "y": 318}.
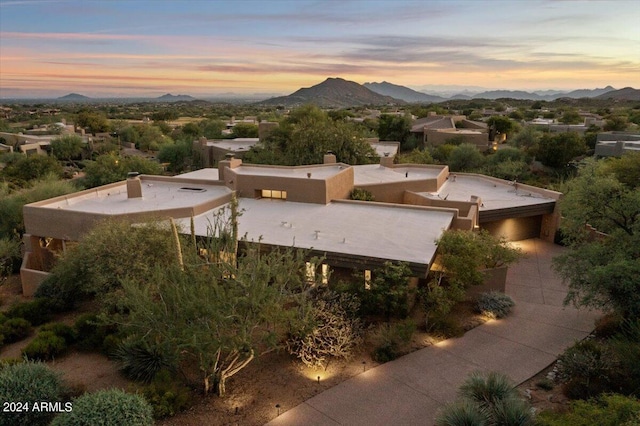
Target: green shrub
{"x": 111, "y": 407}
{"x": 361, "y": 195}
{"x": 62, "y": 330}
{"x": 487, "y": 399}
{"x": 626, "y": 346}
{"x": 587, "y": 369}
{"x": 607, "y": 410}
{"x": 494, "y": 304}
{"x": 461, "y": 413}
{"x": 140, "y": 360}
{"x": 91, "y": 334}
{"x": 45, "y": 346}
{"x": 545, "y": 384}
{"x": 487, "y": 388}
{"x": 391, "y": 340}
{"x": 167, "y": 395}
{"x": 29, "y": 382}
{"x": 37, "y": 311}
{"x": 15, "y": 329}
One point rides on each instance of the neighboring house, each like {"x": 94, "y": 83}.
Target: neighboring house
{"x": 436, "y": 130}
{"x": 614, "y": 144}
{"x": 214, "y": 151}
{"x": 306, "y": 207}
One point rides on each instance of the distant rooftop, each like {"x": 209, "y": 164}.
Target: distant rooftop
{"x": 375, "y": 173}
{"x": 238, "y": 144}
{"x": 362, "y": 229}
{"x": 386, "y": 149}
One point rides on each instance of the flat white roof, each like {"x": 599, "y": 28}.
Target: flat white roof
{"x": 388, "y": 148}
{"x": 204, "y": 174}
{"x": 494, "y": 194}
{"x": 369, "y": 230}
{"x": 321, "y": 172}
{"x": 238, "y": 144}
{"x": 375, "y": 173}
{"x": 156, "y": 195}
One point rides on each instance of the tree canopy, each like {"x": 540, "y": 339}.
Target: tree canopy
{"x": 602, "y": 270}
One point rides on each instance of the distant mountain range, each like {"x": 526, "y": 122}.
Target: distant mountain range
{"x": 628, "y": 94}
{"x": 334, "y": 93}
{"x": 75, "y": 97}
{"x": 402, "y": 92}
{"x": 409, "y": 95}
{"x": 340, "y": 93}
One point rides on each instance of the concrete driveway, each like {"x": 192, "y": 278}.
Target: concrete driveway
{"x": 411, "y": 389}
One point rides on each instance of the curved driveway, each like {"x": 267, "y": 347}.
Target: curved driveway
{"x": 410, "y": 390}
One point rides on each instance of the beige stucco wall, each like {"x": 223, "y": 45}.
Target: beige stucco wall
{"x": 299, "y": 189}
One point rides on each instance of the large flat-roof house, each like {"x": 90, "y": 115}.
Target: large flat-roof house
{"x": 306, "y": 207}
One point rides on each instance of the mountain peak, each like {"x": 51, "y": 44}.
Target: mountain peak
{"x": 334, "y": 92}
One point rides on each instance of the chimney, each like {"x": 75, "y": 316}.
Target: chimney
{"x": 386, "y": 160}
{"x": 134, "y": 186}
{"x": 330, "y": 158}
{"x": 229, "y": 162}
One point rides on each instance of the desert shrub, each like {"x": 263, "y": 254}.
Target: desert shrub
{"x": 37, "y": 311}
{"x": 487, "y": 399}
{"x": 437, "y": 301}
{"x": 91, "y": 333}
{"x": 333, "y": 331}
{"x": 46, "y": 346}
{"x": 361, "y": 195}
{"x": 494, "y": 304}
{"x": 586, "y": 369}
{"x": 141, "y": 360}
{"x": 15, "y": 329}
{"x": 111, "y": 344}
{"x": 111, "y": 407}
{"x": 461, "y": 413}
{"x": 487, "y": 388}
{"x": 606, "y": 410}
{"x": 608, "y": 325}
{"x": 167, "y": 395}
{"x": 29, "y": 382}
{"x": 65, "y": 331}
{"x": 391, "y": 340}
{"x": 545, "y": 384}
{"x": 626, "y": 346}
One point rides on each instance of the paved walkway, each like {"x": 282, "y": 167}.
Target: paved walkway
{"x": 410, "y": 390}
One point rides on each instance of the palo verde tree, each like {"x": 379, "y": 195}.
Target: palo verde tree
{"x": 218, "y": 311}
{"x": 602, "y": 271}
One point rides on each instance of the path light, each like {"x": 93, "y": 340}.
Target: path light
{"x": 318, "y": 379}
{"x": 364, "y": 366}
{"x": 278, "y": 408}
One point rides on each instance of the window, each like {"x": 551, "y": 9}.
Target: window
{"x": 273, "y": 193}
{"x": 367, "y": 279}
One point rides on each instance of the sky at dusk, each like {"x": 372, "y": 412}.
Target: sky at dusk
{"x": 203, "y": 48}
